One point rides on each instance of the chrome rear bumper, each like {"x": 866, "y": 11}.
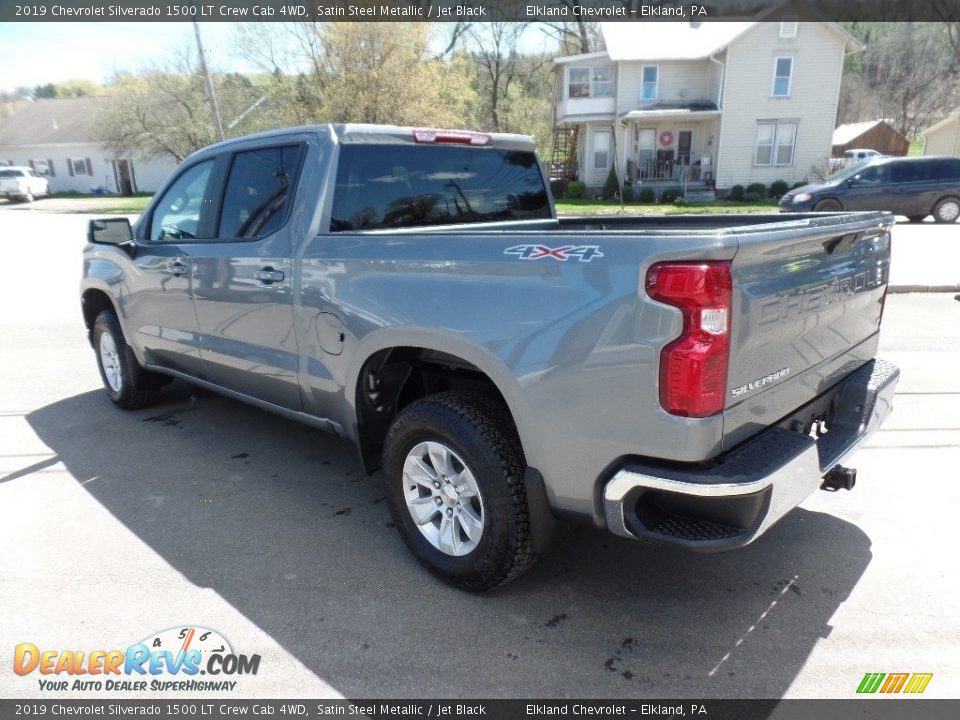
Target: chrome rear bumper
{"x": 739, "y": 496}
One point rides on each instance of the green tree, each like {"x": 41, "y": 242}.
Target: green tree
{"x": 360, "y": 72}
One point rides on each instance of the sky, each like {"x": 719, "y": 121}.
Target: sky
{"x": 53, "y": 52}
{"x": 49, "y": 52}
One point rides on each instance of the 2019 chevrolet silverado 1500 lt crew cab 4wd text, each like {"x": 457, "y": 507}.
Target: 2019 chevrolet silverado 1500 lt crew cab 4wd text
{"x": 683, "y": 379}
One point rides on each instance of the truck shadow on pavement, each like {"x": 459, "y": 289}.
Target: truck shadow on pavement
{"x": 299, "y": 539}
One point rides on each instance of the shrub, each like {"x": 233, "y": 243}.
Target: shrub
{"x": 627, "y": 194}
{"x": 752, "y": 196}
{"x": 799, "y": 183}
{"x": 576, "y": 190}
{"x": 736, "y": 193}
{"x": 669, "y": 195}
{"x": 758, "y": 189}
{"x": 778, "y": 188}
{"x": 611, "y": 187}
{"x": 647, "y": 196}
{"x": 680, "y": 202}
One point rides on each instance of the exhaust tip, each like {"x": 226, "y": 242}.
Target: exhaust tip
{"x": 839, "y": 478}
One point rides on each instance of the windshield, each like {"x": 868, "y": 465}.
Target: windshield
{"x": 848, "y": 172}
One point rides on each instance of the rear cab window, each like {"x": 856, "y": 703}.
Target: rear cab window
{"x": 381, "y": 186}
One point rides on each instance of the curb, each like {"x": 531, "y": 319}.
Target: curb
{"x": 924, "y": 288}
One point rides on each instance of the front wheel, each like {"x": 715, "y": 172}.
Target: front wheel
{"x": 455, "y": 488}
{"x": 28, "y": 197}
{"x": 947, "y": 210}
{"x": 127, "y": 384}
{"x": 827, "y": 206}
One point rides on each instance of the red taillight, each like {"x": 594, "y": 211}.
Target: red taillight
{"x": 693, "y": 368}
{"x": 451, "y": 137}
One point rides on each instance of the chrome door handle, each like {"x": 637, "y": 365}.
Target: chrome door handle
{"x": 268, "y": 275}
{"x": 178, "y": 268}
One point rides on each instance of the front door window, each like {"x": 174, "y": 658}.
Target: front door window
{"x": 645, "y": 151}
{"x": 684, "y": 143}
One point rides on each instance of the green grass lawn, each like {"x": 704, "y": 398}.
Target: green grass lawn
{"x": 601, "y": 207}
{"x": 122, "y": 205}
{"x": 106, "y": 204}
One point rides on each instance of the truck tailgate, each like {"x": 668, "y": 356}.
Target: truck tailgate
{"x": 807, "y": 302}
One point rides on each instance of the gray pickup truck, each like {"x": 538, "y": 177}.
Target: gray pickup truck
{"x": 683, "y": 379}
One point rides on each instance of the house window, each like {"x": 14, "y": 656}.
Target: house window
{"x": 601, "y": 150}
{"x": 782, "y": 76}
{"x": 43, "y": 168}
{"x": 650, "y": 82}
{"x": 80, "y": 166}
{"x": 601, "y": 82}
{"x": 775, "y": 143}
{"x": 591, "y": 82}
{"x": 579, "y": 83}
{"x": 788, "y": 26}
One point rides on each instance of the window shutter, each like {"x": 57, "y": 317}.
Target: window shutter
{"x": 31, "y": 165}
{"x": 70, "y": 166}
{"x": 50, "y": 168}
{"x": 89, "y": 167}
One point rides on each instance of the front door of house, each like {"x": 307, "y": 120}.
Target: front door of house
{"x": 684, "y": 145}
{"x": 645, "y": 152}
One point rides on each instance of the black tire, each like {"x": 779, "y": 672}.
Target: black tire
{"x": 481, "y": 434}
{"x": 916, "y": 218}
{"x": 828, "y": 205}
{"x": 137, "y": 388}
{"x": 947, "y": 210}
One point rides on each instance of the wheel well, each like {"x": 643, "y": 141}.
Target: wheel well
{"x": 94, "y": 302}
{"x": 940, "y": 199}
{"x": 393, "y": 378}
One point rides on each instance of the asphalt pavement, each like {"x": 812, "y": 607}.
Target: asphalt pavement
{"x": 204, "y": 512}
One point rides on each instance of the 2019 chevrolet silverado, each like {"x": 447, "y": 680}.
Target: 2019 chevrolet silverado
{"x": 683, "y": 379}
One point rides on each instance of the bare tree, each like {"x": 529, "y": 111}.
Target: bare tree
{"x": 907, "y": 74}
{"x": 163, "y": 110}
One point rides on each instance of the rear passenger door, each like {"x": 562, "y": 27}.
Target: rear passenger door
{"x": 243, "y": 276}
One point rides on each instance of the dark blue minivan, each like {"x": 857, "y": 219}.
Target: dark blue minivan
{"x": 914, "y": 186}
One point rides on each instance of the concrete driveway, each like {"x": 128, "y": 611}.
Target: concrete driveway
{"x": 205, "y": 512}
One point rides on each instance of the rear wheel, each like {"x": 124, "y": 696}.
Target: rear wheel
{"x": 454, "y": 483}
{"x": 916, "y": 218}
{"x": 127, "y": 384}
{"x": 947, "y": 210}
{"x": 828, "y": 205}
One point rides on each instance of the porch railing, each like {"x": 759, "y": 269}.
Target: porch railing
{"x": 639, "y": 170}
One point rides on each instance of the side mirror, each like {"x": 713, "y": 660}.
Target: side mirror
{"x": 110, "y": 231}
{"x": 855, "y": 180}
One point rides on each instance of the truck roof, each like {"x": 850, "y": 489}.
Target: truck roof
{"x": 384, "y": 134}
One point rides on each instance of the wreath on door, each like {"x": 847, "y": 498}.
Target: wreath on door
{"x": 666, "y": 137}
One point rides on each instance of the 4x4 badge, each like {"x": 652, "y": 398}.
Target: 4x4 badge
{"x": 583, "y": 253}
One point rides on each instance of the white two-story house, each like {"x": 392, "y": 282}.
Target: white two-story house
{"x": 708, "y": 104}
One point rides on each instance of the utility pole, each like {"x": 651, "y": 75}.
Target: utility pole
{"x": 211, "y": 95}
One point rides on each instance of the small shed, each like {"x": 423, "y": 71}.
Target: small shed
{"x": 871, "y": 135}
{"x": 944, "y": 137}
